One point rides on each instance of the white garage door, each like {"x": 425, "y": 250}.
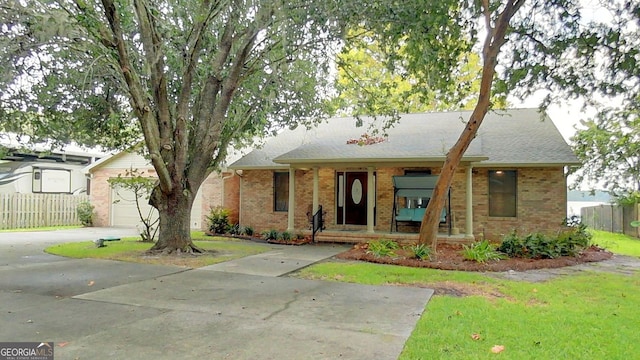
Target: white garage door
{"x": 123, "y": 209}
{"x": 125, "y": 214}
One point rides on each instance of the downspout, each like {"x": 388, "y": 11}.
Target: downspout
{"x": 223, "y": 180}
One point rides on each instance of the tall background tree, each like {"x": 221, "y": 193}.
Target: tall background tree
{"x": 195, "y": 76}
{"x": 609, "y": 148}
{"x": 525, "y": 45}
{"x": 367, "y": 84}
{"x": 435, "y": 39}
{"x": 609, "y": 143}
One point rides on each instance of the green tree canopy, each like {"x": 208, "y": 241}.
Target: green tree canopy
{"x": 195, "y": 76}
{"x": 609, "y": 143}
{"x": 367, "y": 85}
{"x": 609, "y": 148}
{"x": 526, "y": 45}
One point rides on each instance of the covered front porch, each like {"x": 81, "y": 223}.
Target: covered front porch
{"x": 374, "y": 200}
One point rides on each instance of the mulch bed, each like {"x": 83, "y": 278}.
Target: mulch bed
{"x": 449, "y": 257}
{"x": 258, "y": 238}
{"x": 305, "y": 240}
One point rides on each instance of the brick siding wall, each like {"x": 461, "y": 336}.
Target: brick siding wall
{"x": 256, "y": 196}
{"x": 541, "y": 203}
{"x": 101, "y": 194}
{"x": 541, "y": 200}
{"x": 220, "y": 189}
{"x": 231, "y": 193}
{"x": 212, "y": 194}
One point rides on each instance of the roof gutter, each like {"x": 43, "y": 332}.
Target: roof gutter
{"x": 523, "y": 165}
{"x": 420, "y": 160}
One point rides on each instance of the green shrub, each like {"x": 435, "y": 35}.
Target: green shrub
{"x": 247, "y": 230}
{"x": 540, "y": 246}
{"x": 513, "y": 246}
{"x": 574, "y": 239}
{"x": 218, "y": 220}
{"x": 284, "y": 236}
{"x": 481, "y": 252}
{"x": 235, "y": 229}
{"x": 420, "y": 251}
{"x": 532, "y": 246}
{"x": 85, "y": 213}
{"x": 270, "y": 234}
{"x": 382, "y": 247}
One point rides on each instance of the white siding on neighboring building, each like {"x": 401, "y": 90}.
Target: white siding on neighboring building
{"x": 127, "y": 161}
{"x": 52, "y": 178}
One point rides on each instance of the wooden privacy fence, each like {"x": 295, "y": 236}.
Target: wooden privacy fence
{"x": 37, "y": 210}
{"x": 612, "y": 218}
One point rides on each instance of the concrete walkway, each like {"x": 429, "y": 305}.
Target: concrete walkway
{"x": 618, "y": 264}
{"x": 280, "y": 261}
{"x": 242, "y": 309}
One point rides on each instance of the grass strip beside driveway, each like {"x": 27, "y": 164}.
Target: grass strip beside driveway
{"x": 132, "y": 250}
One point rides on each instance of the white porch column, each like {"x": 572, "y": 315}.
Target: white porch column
{"x": 469, "y": 214}
{"x": 292, "y": 200}
{"x": 316, "y": 189}
{"x": 371, "y": 199}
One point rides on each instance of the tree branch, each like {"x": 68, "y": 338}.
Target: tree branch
{"x": 154, "y": 56}
{"x": 192, "y": 56}
{"x": 139, "y": 101}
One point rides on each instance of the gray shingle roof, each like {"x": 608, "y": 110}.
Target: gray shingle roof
{"x": 516, "y": 137}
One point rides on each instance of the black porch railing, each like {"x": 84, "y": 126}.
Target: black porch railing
{"x": 317, "y": 223}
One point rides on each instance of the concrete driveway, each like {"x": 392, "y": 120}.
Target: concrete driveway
{"x": 243, "y": 309}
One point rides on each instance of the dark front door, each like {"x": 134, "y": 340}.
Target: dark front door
{"x": 355, "y": 201}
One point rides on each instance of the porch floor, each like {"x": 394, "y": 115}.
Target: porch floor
{"x": 355, "y": 237}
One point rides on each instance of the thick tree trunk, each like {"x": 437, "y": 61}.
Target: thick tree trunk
{"x": 431, "y": 220}
{"x": 493, "y": 42}
{"x": 174, "y": 235}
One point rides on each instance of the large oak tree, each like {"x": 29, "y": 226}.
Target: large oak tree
{"x": 196, "y": 76}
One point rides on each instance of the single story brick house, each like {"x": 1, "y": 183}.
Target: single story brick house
{"x": 116, "y": 207}
{"x": 513, "y": 176}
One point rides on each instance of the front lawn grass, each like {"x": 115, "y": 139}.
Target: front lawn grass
{"x": 617, "y": 243}
{"x": 590, "y": 315}
{"x": 131, "y": 249}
